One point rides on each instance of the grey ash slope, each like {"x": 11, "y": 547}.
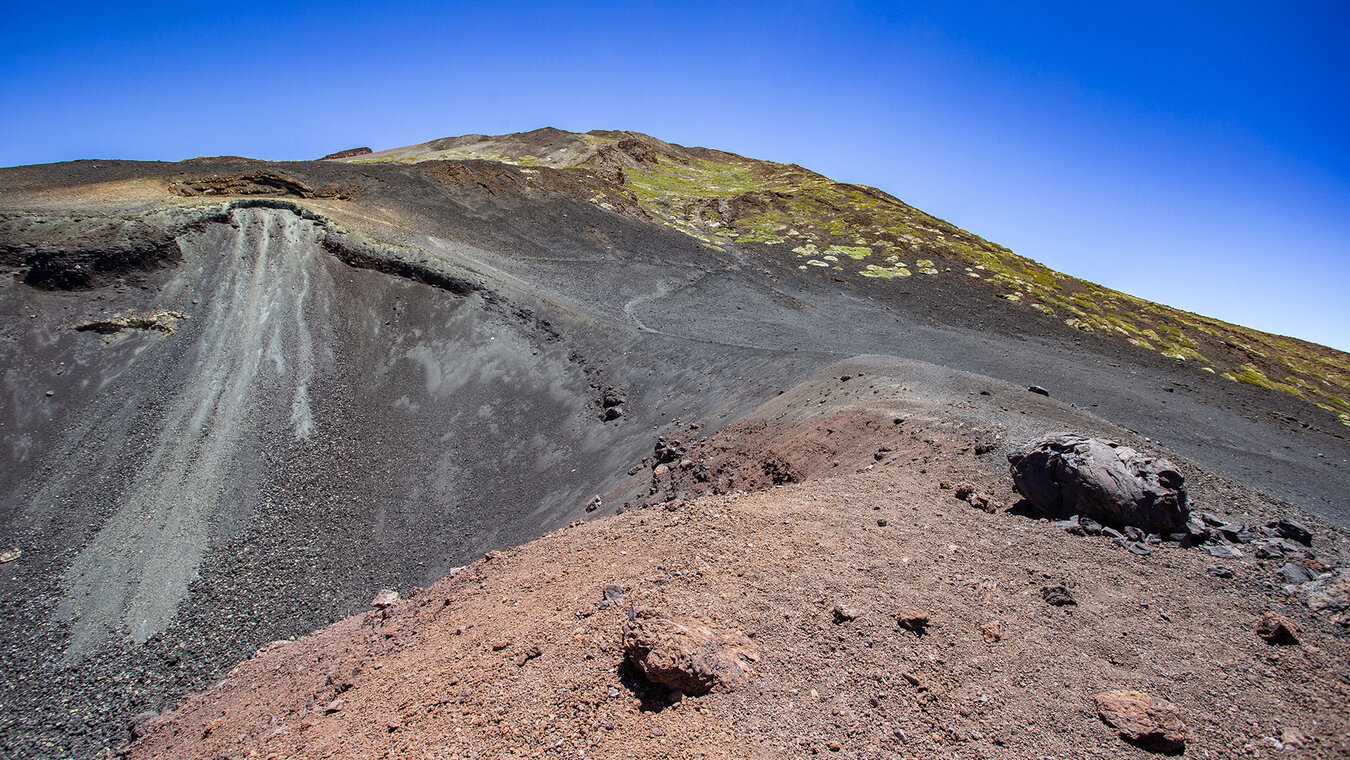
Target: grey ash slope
{"x": 384, "y": 370}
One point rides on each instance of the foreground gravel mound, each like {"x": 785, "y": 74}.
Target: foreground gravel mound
{"x": 866, "y": 614}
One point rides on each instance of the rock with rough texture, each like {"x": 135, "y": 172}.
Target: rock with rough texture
{"x": 1069, "y": 474}
{"x": 385, "y": 599}
{"x": 1276, "y": 629}
{"x": 683, "y": 655}
{"x": 1148, "y": 722}
{"x": 1058, "y": 595}
{"x": 1329, "y": 592}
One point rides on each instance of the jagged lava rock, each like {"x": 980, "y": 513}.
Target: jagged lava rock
{"x": 1068, "y": 474}
{"x": 1148, "y": 722}
{"x": 683, "y": 655}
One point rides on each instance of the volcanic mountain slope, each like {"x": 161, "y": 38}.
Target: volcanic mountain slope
{"x": 241, "y": 397}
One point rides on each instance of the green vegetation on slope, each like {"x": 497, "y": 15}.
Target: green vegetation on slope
{"x": 786, "y": 211}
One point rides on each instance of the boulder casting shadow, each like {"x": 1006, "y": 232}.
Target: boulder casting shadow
{"x": 1068, "y": 474}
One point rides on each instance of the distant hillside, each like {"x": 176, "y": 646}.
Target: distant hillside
{"x": 843, "y": 230}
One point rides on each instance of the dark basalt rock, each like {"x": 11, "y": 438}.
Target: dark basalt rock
{"x": 1068, "y": 474}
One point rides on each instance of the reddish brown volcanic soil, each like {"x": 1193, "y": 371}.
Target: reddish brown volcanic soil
{"x": 519, "y": 655}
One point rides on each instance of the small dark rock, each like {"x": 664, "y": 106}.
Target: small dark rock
{"x": 1199, "y": 532}
{"x": 613, "y": 593}
{"x": 1132, "y": 533}
{"x": 1090, "y": 526}
{"x": 612, "y": 413}
{"x": 1138, "y": 548}
{"x": 1292, "y": 572}
{"x": 1277, "y": 630}
{"x": 1058, "y": 595}
{"x": 1219, "y": 571}
{"x": 882, "y": 522}
{"x": 1293, "y": 531}
{"x": 1223, "y": 552}
{"x": 1038, "y": 390}
{"x": 140, "y": 724}
{"x": 1212, "y": 520}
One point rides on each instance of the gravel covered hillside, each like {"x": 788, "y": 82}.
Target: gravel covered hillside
{"x": 239, "y": 398}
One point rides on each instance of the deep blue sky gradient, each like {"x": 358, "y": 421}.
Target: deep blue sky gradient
{"x": 1196, "y": 154}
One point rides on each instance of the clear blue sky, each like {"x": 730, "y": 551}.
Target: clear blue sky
{"x": 1197, "y": 154}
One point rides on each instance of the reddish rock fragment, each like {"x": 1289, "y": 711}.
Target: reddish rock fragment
{"x": 1277, "y": 630}
{"x": 1147, "y": 722}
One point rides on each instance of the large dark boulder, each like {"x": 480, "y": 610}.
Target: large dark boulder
{"x": 1068, "y": 474}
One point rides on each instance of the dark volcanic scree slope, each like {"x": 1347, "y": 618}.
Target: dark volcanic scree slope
{"x": 241, "y": 397}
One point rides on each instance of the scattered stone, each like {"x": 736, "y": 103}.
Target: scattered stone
{"x": 385, "y": 599}
{"x": 1113, "y": 484}
{"x": 1114, "y": 535}
{"x": 983, "y": 503}
{"x": 843, "y": 614}
{"x": 882, "y": 522}
{"x": 1212, "y": 520}
{"x": 612, "y": 413}
{"x": 10, "y": 555}
{"x": 984, "y": 447}
{"x": 1330, "y": 592}
{"x": 915, "y": 681}
{"x": 1236, "y": 532}
{"x": 1058, "y": 595}
{"x": 613, "y": 593}
{"x": 1292, "y": 530}
{"x": 1138, "y": 548}
{"x": 684, "y": 655}
{"x": 1277, "y": 630}
{"x": 1198, "y": 531}
{"x": 498, "y": 646}
{"x": 1295, "y": 574}
{"x": 1038, "y": 390}
{"x": 912, "y": 620}
{"x": 1147, "y": 722}
{"x": 1070, "y": 525}
{"x": 1132, "y": 533}
{"x": 1219, "y": 571}
{"x": 992, "y": 631}
{"x": 1224, "y": 552}
{"x": 1292, "y": 737}
{"x": 527, "y": 655}
{"x": 1090, "y": 526}
{"x": 139, "y": 725}
{"x": 594, "y": 503}
{"x": 493, "y": 556}
{"x": 1276, "y": 548}
{"x": 964, "y": 491}
{"x": 944, "y": 485}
